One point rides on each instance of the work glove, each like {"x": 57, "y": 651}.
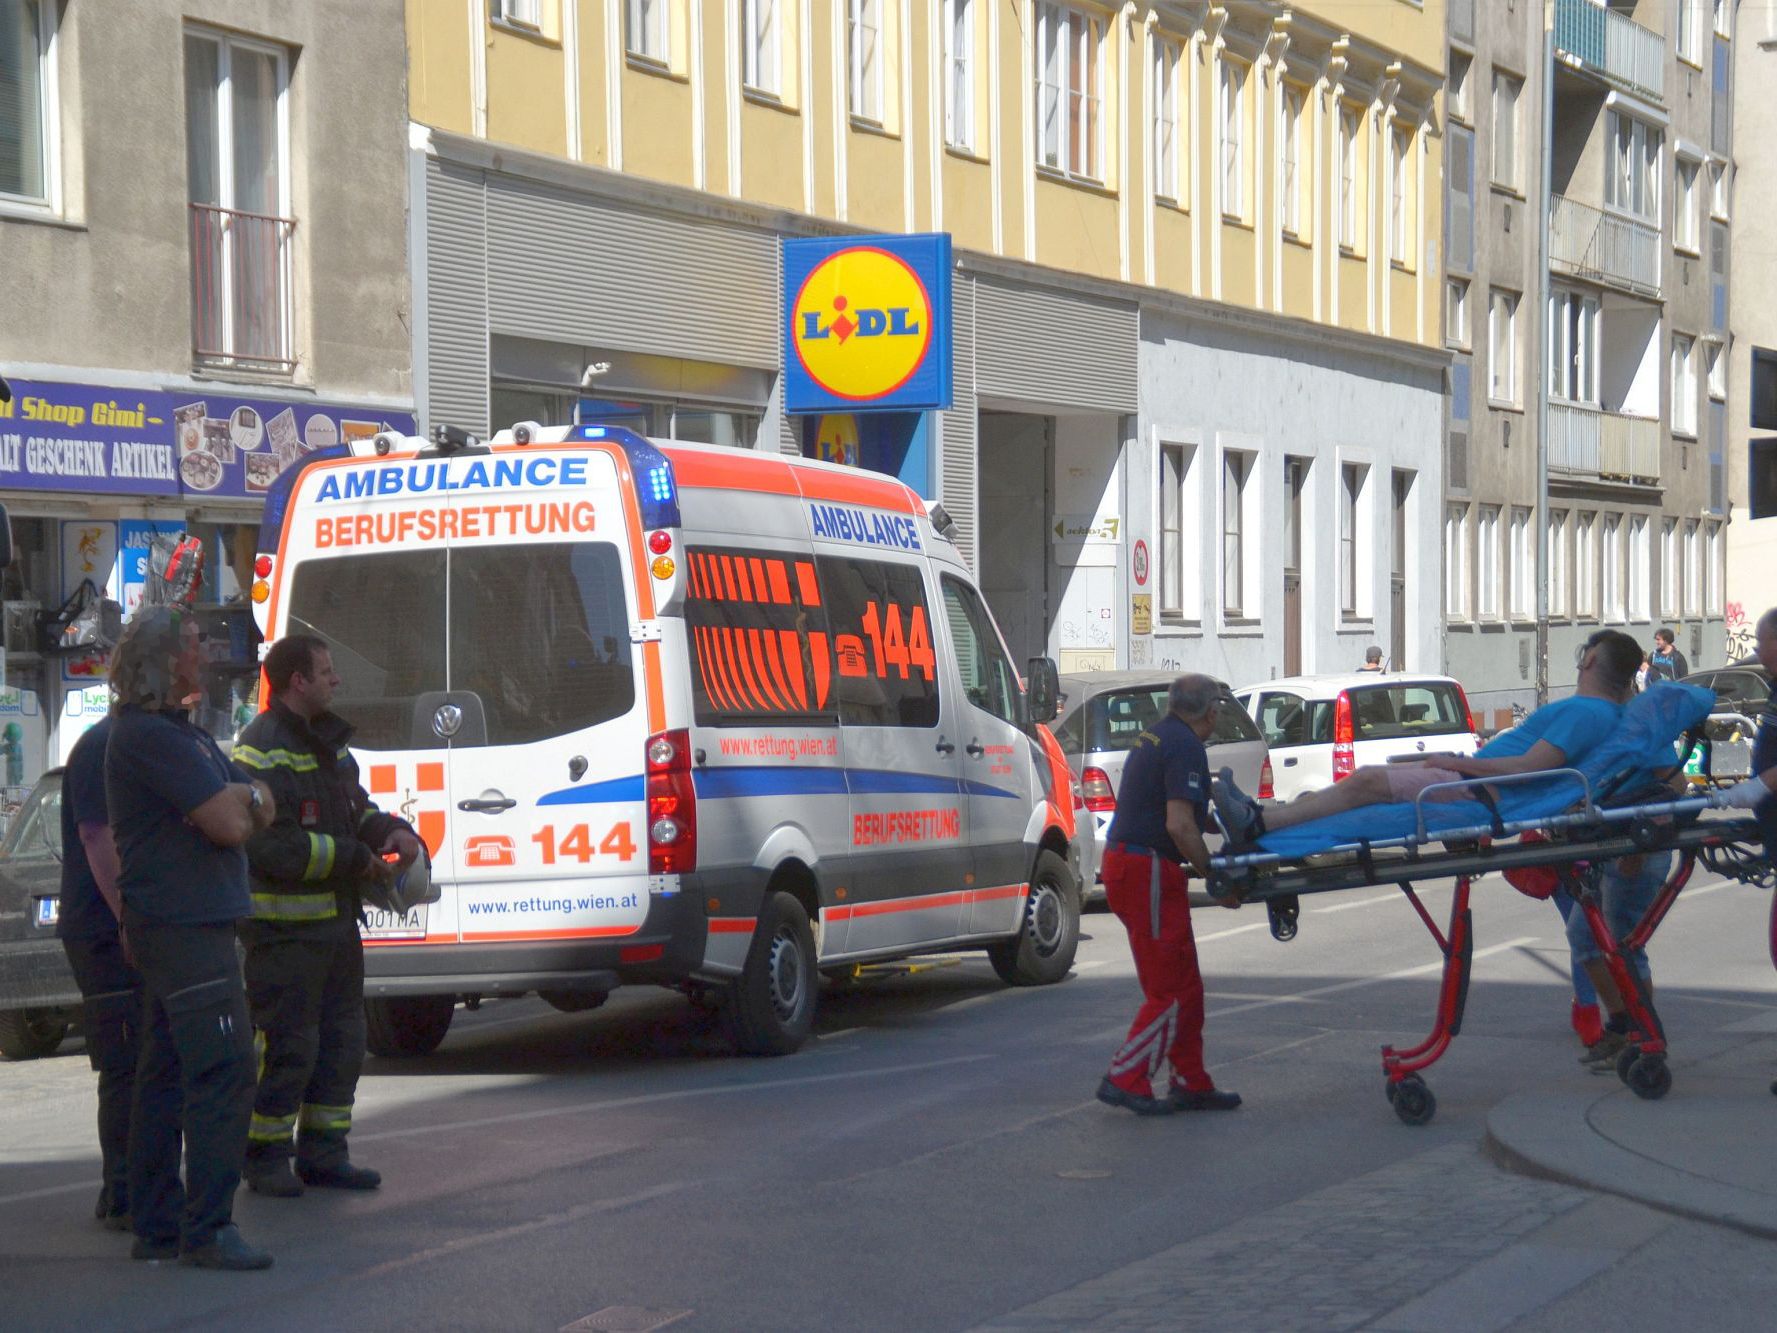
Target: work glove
{"x": 1743, "y": 795}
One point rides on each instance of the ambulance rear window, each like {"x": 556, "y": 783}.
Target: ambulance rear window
{"x": 532, "y": 641}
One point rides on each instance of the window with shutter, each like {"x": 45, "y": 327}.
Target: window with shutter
{"x": 1456, "y": 465}
{"x": 1459, "y": 243}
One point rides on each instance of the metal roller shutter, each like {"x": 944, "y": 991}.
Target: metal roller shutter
{"x": 958, "y": 465}
{"x": 456, "y": 298}
{"x": 1053, "y": 347}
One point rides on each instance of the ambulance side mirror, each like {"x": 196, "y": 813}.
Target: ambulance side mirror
{"x": 1042, "y": 689}
{"x": 5, "y": 538}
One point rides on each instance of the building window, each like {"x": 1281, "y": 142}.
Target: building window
{"x": 1632, "y": 178}
{"x": 1613, "y": 569}
{"x": 1502, "y": 347}
{"x": 1585, "y": 566}
{"x": 1456, "y": 96}
{"x": 1505, "y": 129}
{"x": 1713, "y": 576}
{"x": 1456, "y": 312}
{"x": 1166, "y": 75}
{"x": 1724, "y": 17}
{"x": 1400, "y": 203}
{"x": 237, "y": 184}
{"x": 1689, "y": 38}
{"x": 1487, "y": 563}
{"x": 1456, "y": 562}
{"x": 1178, "y": 557}
{"x": 1671, "y": 568}
{"x": 520, "y": 13}
{"x": 1069, "y": 98}
{"x": 1232, "y": 126}
{"x": 759, "y": 41}
{"x": 1522, "y": 574}
{"x": 644, "y": 29}
{"x": 959, "y": 63}
{"x": 1574, "y": 374}
{"x": 1351, "y": 537}
{"x": 1640, "y": 564}
{"x": 863, "y": 35}
{"x": 1716, "y": 370}
{"x": 1558, "y": 563}
{"x": 1348, "y": 182}
{"x": 1684, "y": 385}
{"x": 28, "y": 117}
{"x": 1236, "y": 468}
{"x": 1693, "y": 567}
{"x": 1719, "y": 186}
{"x": 1293, "y": 175}
{"x": 1686, "y": 206}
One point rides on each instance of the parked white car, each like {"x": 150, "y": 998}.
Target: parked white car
{"x": 1323, "y": 728}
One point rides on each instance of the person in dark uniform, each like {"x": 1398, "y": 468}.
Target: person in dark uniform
{"x": 1162, "y": 807}
{"x": 305, "y": 958}
{"x": 110, "y": 986}
{"x": 180, "y": 813}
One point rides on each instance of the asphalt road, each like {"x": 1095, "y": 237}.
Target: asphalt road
{"x": 935, "y": 1159}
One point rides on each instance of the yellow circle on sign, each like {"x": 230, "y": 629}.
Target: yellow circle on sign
{"x": 862, "y": 323}
{"x": 837, "y": 439}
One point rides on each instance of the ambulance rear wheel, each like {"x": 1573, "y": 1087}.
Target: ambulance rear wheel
{"x": 408, "y": 1025}
{"x": 1042, "y": 952}
{"x": 770, "y": 1008}
{"x": 30, "y": 1034}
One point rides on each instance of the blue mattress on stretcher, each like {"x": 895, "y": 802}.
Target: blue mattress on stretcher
{"x": 1636, "y": 755}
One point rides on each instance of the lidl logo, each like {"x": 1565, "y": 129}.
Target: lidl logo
{"x": 867, "y": 323}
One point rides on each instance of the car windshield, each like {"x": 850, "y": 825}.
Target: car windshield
{"x": 1397, "y": 712}
{"x": 536, "y": 635}
{"x": 1115, "y": 720}
{"x": 35, "y": 831}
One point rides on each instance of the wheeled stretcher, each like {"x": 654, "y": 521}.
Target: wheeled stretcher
{"x": 1585, "y": 823}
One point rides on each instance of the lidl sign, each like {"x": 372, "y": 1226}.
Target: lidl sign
{"x": 867, "y": 323}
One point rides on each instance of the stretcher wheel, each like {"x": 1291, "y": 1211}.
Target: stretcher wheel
{"x": 1283, "y": 913}
{"x": 1650, "y": 1077}
{"x": 1413, "y": 1102}
{"x": 1626, "y": 1059}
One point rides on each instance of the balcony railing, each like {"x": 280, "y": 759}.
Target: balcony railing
{"x": 1616, "y": 48}
{"x": 1605, "y": 247}
{"x": 1588, "y": 441}
{"x": 241, "y": 294}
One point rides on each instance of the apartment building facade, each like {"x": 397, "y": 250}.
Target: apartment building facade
{"x": 1194, "y": 295}
{"x": 202, "y": 218}
{"x": 1618, "y": 314}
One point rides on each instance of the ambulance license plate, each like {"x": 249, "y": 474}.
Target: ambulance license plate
{"x": 48, "y": 911}
{"x": 382, "y": 924}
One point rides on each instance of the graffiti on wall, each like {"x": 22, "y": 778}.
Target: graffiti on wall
{"x": 1740, "y": 632}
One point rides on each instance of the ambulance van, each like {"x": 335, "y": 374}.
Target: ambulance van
{"x": 671, "y": 714}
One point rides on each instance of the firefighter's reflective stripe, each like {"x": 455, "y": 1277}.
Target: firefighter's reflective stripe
{"x": 323, "y": 851}
{"x": 294, "y": 906}
{"x": 325, "y": 1119}
{"x": 264, "y": 759}
{"x": 271, "y": 1128}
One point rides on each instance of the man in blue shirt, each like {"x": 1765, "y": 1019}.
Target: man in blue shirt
{"x": 1161, "y": 811}
{"x": 110, "y": 986}
{"x": 1557, "y": 735}
{"x": 180, "y": 813}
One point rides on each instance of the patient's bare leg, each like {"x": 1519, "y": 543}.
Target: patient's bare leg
{"x": 1367, "y": 786}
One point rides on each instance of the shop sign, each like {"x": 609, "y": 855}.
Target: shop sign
{"x": 107, "y": 441}
{"x": 867, "y": 323}
{"x": 1141, "y": 613}
{"x": 1087, "y": 528}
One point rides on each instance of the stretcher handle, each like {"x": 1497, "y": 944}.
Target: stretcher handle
{"x": 1508, "y": 780}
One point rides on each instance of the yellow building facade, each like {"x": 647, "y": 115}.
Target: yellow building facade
{"x": 1113, "y": 178}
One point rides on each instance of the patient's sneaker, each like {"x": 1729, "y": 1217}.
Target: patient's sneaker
{"x": 1241, "y": 817}
{"x": 1601, "y": 1055}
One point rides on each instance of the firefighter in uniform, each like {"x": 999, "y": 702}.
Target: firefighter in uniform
{"x": 1162, "y": 807}
{"x": 305, "y": 960}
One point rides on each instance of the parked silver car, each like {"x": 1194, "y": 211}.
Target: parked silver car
{"x": 1102, "y": 714}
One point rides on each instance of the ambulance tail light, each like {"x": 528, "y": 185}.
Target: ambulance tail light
{"x": 1344, "y": 738}
{"x": 1095, "y": 785}
{"x": 672, "y": 805}
{"x": 1267, "y": 782}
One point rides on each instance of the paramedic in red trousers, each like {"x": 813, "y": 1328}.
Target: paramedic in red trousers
{"x": 1162, "y": 808}
{"x": 305, "y": 960}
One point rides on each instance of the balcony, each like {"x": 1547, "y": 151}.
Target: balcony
{"x": 1587, "y": 441}
{"x": 1603, "y": 247}
{"x": 1616, "y": 49}
{"x": 241, "y": 304}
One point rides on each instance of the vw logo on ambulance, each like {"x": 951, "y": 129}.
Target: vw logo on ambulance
{"x": 867, "y": 323}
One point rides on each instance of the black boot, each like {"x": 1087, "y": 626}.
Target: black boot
{"x": 323, "y": 1161}
{"x": 267, "y": 1171}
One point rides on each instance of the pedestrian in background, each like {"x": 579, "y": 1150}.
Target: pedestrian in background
{"x": 1666, "y": 662}
{"x": 180, "y": 813}
{"x": 305, "y": 958}
{"x": 110, "y": 986}
{"x": 1372, "y": 659}
{"x": 1162, "y": 808}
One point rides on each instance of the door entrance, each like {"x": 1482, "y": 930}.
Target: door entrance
{"x": 1295, "y": 470}
{"x": 1017, "y": 512}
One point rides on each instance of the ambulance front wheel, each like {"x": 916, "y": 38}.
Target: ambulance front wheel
{"x": 1042, "y": 951}
{"x": 770, "y": 1008}
{"x": 408, "y": 1025}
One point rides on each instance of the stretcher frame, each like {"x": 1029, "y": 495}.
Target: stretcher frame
{"x": 1581, "y": 843}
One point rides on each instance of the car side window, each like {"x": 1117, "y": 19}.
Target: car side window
{"x": 988, "y": 679}
{"x": 1070, "y": 731}
{"x": 1283, "y": 719}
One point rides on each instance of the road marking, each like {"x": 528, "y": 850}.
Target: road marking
{"x": 1361, "y": 902}
{"x": 1685, "y": 895}
{"x": 1338, "y": 986}
{"x": 50, "y": 1192}
{"x": 1089, "y": 964}
{"x": 1237, "y": 930}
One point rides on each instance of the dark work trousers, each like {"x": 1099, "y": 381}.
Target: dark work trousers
{"x": 195, "y": 1082}
{"x": 111, "y": 1018}
{"x": 305, "y": 984}
{"x": 1169, "y": 1025}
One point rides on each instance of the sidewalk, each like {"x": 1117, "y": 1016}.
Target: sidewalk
{"x": 1703, "y": 1151}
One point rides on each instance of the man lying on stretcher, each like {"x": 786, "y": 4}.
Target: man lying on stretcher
{"x": 1557, "y": 735}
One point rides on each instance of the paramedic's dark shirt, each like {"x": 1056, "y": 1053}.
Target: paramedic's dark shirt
{"x": 1168, "y": 763}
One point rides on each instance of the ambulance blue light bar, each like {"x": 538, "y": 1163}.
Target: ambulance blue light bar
{"x": 656, "y": 491}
